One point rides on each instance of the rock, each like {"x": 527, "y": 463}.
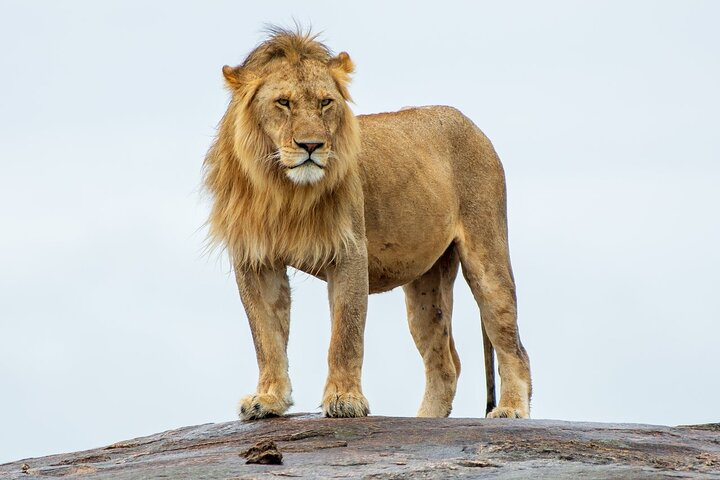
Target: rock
{"x": 396, "y": 448}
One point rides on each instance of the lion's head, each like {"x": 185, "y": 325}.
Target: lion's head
{"x": 287, "y": 142}
{"x": 290, "y": 110}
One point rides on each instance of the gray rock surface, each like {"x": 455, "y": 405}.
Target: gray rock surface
{"x": 396, "y": 448}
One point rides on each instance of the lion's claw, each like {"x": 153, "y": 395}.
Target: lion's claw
{"x": 345, "y": 405}
{"x": 507, "y": 412}
{"x": 262, "y": 405}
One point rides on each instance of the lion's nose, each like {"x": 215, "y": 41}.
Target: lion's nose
{"x": 309, "y": 147}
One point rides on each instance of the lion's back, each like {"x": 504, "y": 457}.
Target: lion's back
{"x": 432, "y": 139}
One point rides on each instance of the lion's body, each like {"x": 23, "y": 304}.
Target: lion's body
{"x": 416, "y": 178}
{"x": 367, "y": 203}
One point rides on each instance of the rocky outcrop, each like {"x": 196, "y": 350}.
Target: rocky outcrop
{"x": 309, "y": 446}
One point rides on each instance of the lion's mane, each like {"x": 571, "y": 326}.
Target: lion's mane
{"x": 258, "y": 214}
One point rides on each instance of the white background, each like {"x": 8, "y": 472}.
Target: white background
{"x": 114, "y": 324}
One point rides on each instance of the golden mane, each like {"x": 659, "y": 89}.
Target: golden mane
{"x": 258, "y": 214}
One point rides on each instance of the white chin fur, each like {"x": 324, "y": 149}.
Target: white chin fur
{"x": 305, "y": 174}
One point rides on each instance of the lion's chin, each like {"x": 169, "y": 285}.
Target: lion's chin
{"x": 306, "y": 174}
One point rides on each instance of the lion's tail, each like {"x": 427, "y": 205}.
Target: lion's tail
{"x": 489, "y": 371}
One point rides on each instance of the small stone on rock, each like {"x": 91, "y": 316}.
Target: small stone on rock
{"x": 264, "y": 452}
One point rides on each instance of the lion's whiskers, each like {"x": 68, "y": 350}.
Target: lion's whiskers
{"x": 273, "y": 156}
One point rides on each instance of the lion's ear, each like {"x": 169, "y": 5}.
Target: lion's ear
{"x": 340, "y": 68}
{"x": 232, "y": 76}
{"x": 343, "y": 62}
{"x": 241, "y": 81}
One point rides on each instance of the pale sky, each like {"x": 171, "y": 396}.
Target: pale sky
{"x": 114, "y": 324}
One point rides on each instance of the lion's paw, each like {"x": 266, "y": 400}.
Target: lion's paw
{"x": 344, "y": 405}
{"x": 261, "y": 405}
{"x": 507, "y": 412}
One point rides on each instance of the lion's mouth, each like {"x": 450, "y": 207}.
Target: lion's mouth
{"x": 306, "y": 162}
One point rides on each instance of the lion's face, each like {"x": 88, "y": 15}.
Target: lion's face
{"x": 300, "y": 110}
{"x": 293, "y": 118}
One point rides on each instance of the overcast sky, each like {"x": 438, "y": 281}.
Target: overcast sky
{"x": 114, "y": 324}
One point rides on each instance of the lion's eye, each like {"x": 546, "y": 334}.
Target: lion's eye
{"x": 284, "y": 102}
{"x": 325, "y": 102}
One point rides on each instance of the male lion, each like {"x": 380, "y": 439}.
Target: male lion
{"x": 367, "y": 203}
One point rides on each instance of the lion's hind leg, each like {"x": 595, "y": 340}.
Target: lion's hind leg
{"x": 429, "y": 305}
{"x": 486, "y": 267}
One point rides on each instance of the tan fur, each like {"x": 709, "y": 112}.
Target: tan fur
{"x": 368, "y": 204}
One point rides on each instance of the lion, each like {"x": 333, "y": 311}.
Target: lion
{"x": 366, "y": 203}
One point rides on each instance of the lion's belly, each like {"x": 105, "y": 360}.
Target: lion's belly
{"x": 408, "y": 229}
{"x": 392, "y": 264}
{"x": 401, "y": 251}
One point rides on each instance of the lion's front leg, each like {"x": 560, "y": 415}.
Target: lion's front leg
{"x": 265, "y": 293}
{"x": 348, "y": 292}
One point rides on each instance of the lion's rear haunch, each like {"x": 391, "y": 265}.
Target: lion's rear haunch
{"x": 367, "y": 203}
